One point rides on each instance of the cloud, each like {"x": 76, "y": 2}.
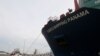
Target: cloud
{"x": 21, "y": 22}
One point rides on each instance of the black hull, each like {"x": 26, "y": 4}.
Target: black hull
{"x": 78, "y": 37}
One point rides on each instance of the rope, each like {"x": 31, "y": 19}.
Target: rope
{"x": 33, "y": 42}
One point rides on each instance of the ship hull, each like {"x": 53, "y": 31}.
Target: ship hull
{"x": 75, "y": 35}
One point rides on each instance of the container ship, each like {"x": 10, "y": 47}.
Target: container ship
{"x": 76, "y": 33}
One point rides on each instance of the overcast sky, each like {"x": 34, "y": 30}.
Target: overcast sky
{"x": 21, "y": 22}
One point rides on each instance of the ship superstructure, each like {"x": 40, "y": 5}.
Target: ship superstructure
{"x": 89, "y": 3}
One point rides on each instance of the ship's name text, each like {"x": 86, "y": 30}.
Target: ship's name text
{"x": 74, "y": 17}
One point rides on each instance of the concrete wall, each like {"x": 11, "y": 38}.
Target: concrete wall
{"x": 4, "y": 55}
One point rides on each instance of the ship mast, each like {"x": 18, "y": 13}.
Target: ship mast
{"x": 76, "y": 5}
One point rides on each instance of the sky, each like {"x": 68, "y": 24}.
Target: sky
{"x": 21, "y": 22}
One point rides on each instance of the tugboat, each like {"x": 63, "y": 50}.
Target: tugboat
{"x": 76, "y": 33}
